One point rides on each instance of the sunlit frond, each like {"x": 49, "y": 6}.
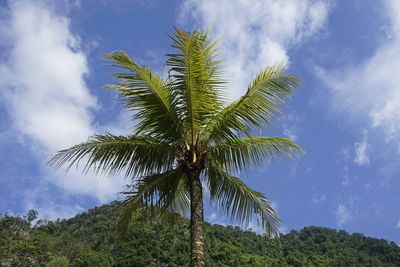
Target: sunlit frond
{"x": 137, "y": 155}
{"x": 148, "y": 96}
{"x": 197, "y": 79}
{"x": 262, "y": 102}
{"x": 242, "y": 153}
{"x": 239, "y": 202}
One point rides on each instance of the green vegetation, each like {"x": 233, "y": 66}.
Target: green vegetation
{"x": 187, "y": 137}
{"x": 89, "y": 239}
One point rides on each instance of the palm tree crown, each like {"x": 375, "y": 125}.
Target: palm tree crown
{"x": 187, "y": 137}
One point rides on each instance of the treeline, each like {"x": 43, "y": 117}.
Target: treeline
{"x": 90, "y": 239}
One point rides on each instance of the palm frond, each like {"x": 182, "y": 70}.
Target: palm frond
{"x": 197, "y": 79}
{"x": 148, "y": 96}
{"x": 241, "y": 153}
{"x": 167, "y": 192}
{"x": 239, "y": 202}
{"x": 137, "y": 155}
{"x": 256, "y": 108}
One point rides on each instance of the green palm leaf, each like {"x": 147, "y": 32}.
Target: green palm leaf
{"x": 262, "y": 102}
{"x": 138, "y": 155}
{"x": 196, "y": 79}
{"x": 241, "y": 153}
{"x": 148, "y": 96}
{"x": 167, "y": 191}
{"x": 240, "y": 202}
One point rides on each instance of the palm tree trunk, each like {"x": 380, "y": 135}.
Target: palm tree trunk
{"x": 196, "y": 221}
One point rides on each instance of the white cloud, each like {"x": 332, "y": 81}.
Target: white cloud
{"x": 343, "y": 215}
{"x": 345, "y": 153}
{"x": 398, "y": 225}
{"x": 255, "y": 34}
{"x": 291, "y": 126}
{"x": 370, "y": 92}
{"x": 100, "y": 186}
{"x": 42, "y": 86}
{"x": 361, "y": 153}
{"x": 53, "y": 211}
{"x": 290, "y": 132}
{"x": 217, "y": 218}
{"x": 348, "y": 179}
{"x": 42, "y": 80}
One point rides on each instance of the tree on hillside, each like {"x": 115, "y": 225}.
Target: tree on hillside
{"x": 187, "y": 138}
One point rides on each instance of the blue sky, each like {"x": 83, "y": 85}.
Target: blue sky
{"x": 345, "y": 114}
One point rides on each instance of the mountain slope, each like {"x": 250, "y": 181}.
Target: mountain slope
{"x": 89, "y": 239}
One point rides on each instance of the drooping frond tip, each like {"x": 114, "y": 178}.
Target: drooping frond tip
{"x": 241, "y": 203}
{"x": 167, "y": 192}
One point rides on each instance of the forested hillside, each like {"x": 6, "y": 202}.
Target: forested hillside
{"x": 89, "y": 239}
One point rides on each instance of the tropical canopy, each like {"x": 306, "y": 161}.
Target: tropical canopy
{"x": 188, "y": 138}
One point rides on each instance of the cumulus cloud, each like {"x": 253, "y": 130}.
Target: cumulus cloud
{"x": 370, "y": 91}
{"x": 255, "y": 34}
{"x": 343, "y": 214}
{"x": 42, "y": 86}
{"x": 42, "y": 78}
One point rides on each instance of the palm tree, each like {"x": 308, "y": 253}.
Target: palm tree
{"x": 187, "y": 138}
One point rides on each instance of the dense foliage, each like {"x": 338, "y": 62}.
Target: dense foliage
{"x": 187, "y": 138}
{"x": 89, "y": 239}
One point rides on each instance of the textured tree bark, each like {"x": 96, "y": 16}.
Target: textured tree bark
{"x": 196, "y": 221}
